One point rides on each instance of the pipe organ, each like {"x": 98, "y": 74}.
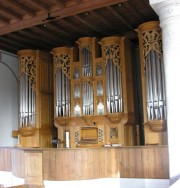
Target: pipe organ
{"x": 94, "y": 92}
{"x": 35, "y": 98}
{"x": 94, "y": 101}
{"x": 153, "y": 83}
{"x": 93, "y": 89}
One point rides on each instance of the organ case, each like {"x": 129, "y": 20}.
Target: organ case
{"x": 35, "y": 98}
{"x": 153, "y": 83}
{"x": 94, "y": 92}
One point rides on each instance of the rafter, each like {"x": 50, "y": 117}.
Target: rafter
{"x": 59, "y": 2}
{"x": 72, "y": 26}
{"x": 7, "y": 48}
{"x": 40, "y": 5}
{"x": 10, "y": 13}
{"x": 89, "y": 25}
{"x": 120, "y": 17}
{"x": 134, "y": 12}
{"x": 62, "y": 13}
{"x": 56, "y": 27}
{"x": 101, "y": 18}
{"x": 31, "y": 36}
{"x": 22, "y": 7}
{"x": 47, "y": 35}
{"x": 4, "y": 20}
{"x": 11, "y": 42}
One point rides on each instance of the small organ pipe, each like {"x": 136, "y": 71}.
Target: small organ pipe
{"x": 159, "y": 89}
{"x": 150, "y": 89}
{"x": 27, "y": 102}
{"x": 107, "y": 87}
{"x": 115, "y": 88}
{"x": 154, "y": 76}
{"x": 155, "y": 87}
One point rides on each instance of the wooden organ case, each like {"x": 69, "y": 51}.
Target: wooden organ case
{"x": 153, "y": 83}
{"x": 35, "y": 98}
{"x": 93, "y": 93}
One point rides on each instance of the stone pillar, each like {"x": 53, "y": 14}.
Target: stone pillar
{"x": 169, "y": 16}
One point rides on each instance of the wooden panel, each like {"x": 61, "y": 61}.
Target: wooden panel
{"x": 33, "y": 168}
{"x": 112, "y": 163}
{"x": 5, "y": 159}
{"x": 124, "y": 171}
{"x": 18, "y": 162}
{"x": 125, "y": 162}
{"x": 49, "y": 170}
{"x": 138, "y": 160}
{"x": 45, "y": 110}
{"x": 144, "y": 162}
{"x": 36, "y": 165}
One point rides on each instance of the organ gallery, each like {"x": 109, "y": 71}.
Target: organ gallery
{"x": 89, "y": 92}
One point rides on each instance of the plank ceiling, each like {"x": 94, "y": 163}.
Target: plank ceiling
{"x": 46, "y": 24}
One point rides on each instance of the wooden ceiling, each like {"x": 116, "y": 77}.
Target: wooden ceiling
{"x": 46, "y": 24}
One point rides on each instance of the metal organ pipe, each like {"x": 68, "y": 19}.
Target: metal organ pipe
{"x": 108, "y": 88}
{"x": 61, "y": 59}
{"x": 62, "y": 94}
{"x": 111, "y": 50}
{"x": 87, "y": 86}
{"x": 153, "y": 82}
{"x": 155, "y": 87}
{"x": 27, "y": 96}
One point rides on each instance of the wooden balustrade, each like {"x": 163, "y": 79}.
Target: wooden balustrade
{"x": 36, "y": 165}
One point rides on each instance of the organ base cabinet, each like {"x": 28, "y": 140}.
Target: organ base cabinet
{"x": 93, "y": 93}
{"x": 35, "y": 99}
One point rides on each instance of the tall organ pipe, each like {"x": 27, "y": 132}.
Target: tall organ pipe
{"x": 27, "y": 88}
{"x": 62, "y": 61}
{"x": 86, "y": 54}
{"x": 153, "y": 76}
{"x": 111, "y": 50}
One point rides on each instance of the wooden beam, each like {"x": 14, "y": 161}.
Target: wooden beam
{"x": 11, "y": 42}
{"x": 101, "y": 18}
{"x": 120, "y": 17}
{"x": 71, "y": 25}
{"x": 22, "y": 7}
{"x": 90, "y": 25}
{"x": 30, "y": 38}
{"x": 10, "y": 13}
{"x": 84, "y": 6}
{"x": 26, "y": 38}
{"x": 134, "y": 12}
{"x": 4, "y": 21}
{"x": 8, "y": 48}
{"x": 48, "y": 36}
{"x": 40, "y": 5}
{"x": 53, "y": 26}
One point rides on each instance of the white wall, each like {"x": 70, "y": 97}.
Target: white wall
{"x": 8, "y": 98}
